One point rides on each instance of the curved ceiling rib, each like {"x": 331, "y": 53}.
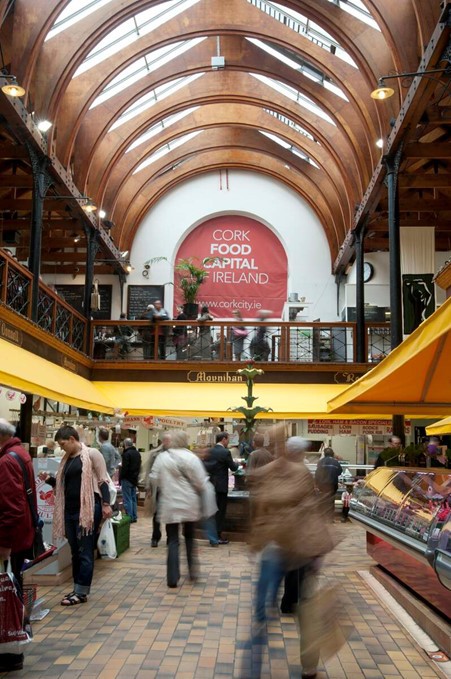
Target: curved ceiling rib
{"x": 299, "y": 70}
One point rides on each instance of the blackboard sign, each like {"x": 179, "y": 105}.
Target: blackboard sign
{"x": 74, "y": 295}
{"x": 139, "y": 296}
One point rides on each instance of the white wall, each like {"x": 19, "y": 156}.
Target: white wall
{"x": 249, "y": 194}
{"x": 377, "y": 290}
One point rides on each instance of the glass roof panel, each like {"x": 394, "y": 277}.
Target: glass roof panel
{"x": 289, "y": 147}
{"x": 294, "y": 95}
{"x": 133, "y": 29}
{"x": 167, "y": 148}
{"x": 161, "y": 125}
{"x": 357, "y": 9}
{"x": 151, "y": 98}
{"x": 292, "y": 124}
{"x": 300, "y": 24}
{"x": 300, "y": 66}
{"x": 73, "y": 12}
{"x": 143, "y": 66}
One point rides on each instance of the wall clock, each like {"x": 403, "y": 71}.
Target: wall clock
{"x": 368, "y": 272}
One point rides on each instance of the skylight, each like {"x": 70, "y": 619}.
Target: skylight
{"x": 153, "y": 97}
{"x": 129, "y": 30}
{"x": 294, "y": 95}
{"x": 167, "y": 148}
{"x": 292, "y": 124}
{"x": 358, "y": 10}
{"x": 160, "y": 126}
{"x": 300, "y": 24}
{"x": 289, "y": 147}
{"x": 75, "y": 11}
{"x": 300, "y": 66}
{"x": 143, "y": 66}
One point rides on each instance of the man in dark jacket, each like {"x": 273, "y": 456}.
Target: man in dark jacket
{"x": 217, "y": 464}
{"x": 128, "y": 478}
{"x": 327, "y": 473}
{"x": 16, "y": 523}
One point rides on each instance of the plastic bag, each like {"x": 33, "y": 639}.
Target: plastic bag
{"x": 113, "y": 490}
{"x": 106, "y": 543}
{"x": 15, "y": 630}
{"x": 208, "y": 500}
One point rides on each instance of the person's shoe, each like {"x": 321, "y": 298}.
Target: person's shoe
{"x": 154, "y": 543}
{"x": 133, "y": 520}
{"x": 213, "y": 544}
{"x": 223, "y": 542}
{"x": 309, "y": 675}
{"x": 11, "y": 662}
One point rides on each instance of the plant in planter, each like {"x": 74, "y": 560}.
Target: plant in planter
{"x": 190, "y": 276}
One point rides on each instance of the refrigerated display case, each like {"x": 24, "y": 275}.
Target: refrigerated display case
{"x": 407, "y": 515}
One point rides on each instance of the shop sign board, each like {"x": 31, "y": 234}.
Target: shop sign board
{"x": 151, "y": 422}
{"x": 251, "y": 270}
{"x": 353, "y": 427}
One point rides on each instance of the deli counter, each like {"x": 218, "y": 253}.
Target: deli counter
{"x": 407, "y": 516}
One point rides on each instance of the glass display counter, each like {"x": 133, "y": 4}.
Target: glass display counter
{"x": 407, "y": 515}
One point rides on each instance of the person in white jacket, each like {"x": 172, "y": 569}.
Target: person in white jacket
{"x": 181, "y": 478}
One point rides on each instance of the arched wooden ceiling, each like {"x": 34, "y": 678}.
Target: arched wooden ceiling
{"x": 228, "y": 108}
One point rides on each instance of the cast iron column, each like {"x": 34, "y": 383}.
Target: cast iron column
{"x": 391, "y": 180}
{"x": 92, "y": 247}
{"x": 122, "y": 279}
{"x": 41, "y": 182}
{"x": 360, "y": 298}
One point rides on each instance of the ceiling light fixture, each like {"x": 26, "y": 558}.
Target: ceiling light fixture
{"x": 86, "y": 203}
{"x": 44, "y": 125}
{"x": 124, "y": 254}
{"x": 12, "y": 89}
{"x": 383, "y": 92}
{"x": 102, "y": 214}
{"x": 380, "y": 143}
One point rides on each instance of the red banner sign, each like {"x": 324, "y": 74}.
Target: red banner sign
{"x": 251, "y": 273}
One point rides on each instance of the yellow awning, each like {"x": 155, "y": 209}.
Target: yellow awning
{"x": 440, "y": 427}
{"x": 22, "y": 370}
{"x": 288, "y": 401}
{"x": 414, "y": 379}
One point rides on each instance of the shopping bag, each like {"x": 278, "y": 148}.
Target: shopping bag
{"x": 208, "y": 500}
{"x": 15, "y": 630}
{"x": 113, "y": 490}
{"x": 106, "y": 543}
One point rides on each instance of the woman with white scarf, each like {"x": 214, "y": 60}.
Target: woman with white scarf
{"x": 82, "y": 499}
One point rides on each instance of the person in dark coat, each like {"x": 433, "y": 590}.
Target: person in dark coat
{"x": 328, "y": 470}
{"x": 217, "y": 464}
{"x": 128, "y": 478}
{"x": 16, "y": 523}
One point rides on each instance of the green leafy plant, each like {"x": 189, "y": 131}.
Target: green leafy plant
{"x": 191, "y": 275}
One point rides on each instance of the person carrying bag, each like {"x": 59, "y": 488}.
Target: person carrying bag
{"x": 17, "y": 528}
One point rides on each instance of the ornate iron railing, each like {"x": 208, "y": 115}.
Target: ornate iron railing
{"x": 55, "y": 316}
{"x": 283, "y": 342}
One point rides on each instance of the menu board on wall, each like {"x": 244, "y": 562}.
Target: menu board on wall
{"x": 74, "y": 295}
{"x": 140, "y": 296}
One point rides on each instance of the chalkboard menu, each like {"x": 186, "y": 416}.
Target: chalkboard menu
{"x": 139, "y": 296}
{"x": 74, "y": 295}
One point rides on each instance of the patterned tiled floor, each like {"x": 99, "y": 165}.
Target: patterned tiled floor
{"x": 134, "y": 627}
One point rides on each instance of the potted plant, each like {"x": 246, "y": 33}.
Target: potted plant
{"x": 190, "y": 276}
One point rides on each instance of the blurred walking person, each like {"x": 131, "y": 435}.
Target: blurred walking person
{"x": 180, "y": 477}
{"x": 288, "y": 531}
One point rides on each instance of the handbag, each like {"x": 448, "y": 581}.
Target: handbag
{"x": 15, "y": 630}
{"x": 38, "y": 548}
{"x": 207, "y": 495}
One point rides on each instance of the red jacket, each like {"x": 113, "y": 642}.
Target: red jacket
{"x": 16, "y": 523}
